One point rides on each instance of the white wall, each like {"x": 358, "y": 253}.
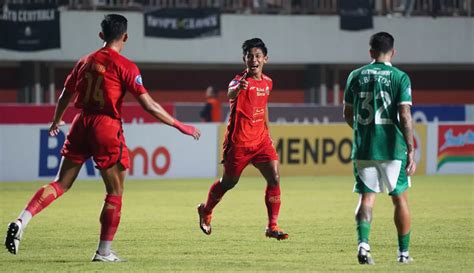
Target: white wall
{"x": 291, "y": 39}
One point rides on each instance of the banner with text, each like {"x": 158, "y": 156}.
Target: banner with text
{"x": 156, "y": 151}
{"x": 320, "y": 149}
{"x": 355, "y": 14}
{"x": 183, "y": 23}
{"x": 308, "y": 150}
{"x": 29, "y": 27}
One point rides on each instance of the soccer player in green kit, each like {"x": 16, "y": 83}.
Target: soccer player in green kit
{"x": 377, "y": 106}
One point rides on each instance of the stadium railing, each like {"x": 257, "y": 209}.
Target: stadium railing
{"x": 318, "y": 7}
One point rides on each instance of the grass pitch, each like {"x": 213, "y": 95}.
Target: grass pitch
{"x": 159, "y": 229}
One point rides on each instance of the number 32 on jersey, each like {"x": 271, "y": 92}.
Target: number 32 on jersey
{"x": 367, "y": 105}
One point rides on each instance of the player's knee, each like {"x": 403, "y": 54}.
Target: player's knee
{"x": 228, "y": 184}
{"x": 399, "y": 200}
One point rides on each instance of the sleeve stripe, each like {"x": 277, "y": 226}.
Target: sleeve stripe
{"x": 405, "y": 102}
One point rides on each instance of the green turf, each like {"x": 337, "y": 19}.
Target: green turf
{"x": 159, "y": 229}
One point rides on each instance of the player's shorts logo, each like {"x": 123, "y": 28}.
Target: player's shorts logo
{"x": 138, "y": 80}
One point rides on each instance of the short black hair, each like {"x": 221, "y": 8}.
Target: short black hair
{"x": 255, "y": 42}
{"x": 381, "y": 42}
{"x": 113, "y": 27}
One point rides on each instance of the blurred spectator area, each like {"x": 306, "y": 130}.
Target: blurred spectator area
{"x": 292, "y": 84}
{"x": 321, "y": 7}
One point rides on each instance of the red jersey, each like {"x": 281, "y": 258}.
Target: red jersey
{"x": 247, "y": 126}
{"x": 101, "y": 80}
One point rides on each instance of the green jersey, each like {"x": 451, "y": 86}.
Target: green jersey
{"x": 375, "y": 91}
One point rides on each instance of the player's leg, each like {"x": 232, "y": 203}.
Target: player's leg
{"x": 403, "y": 224}
{"x": 110, "y": 153}
{"x": 67, "y": 174}
{"x": 271, "y": 173}
{"x": 217, "y": 191}
{"x": 110, "y": 216}
{"x": 367, "y": 184}
{"x": 266, "y": 161}
{"x": 363, "y": 217}
{"x": 214, "y": 196}
{"x": 398, "y": 182}
{"x": 235, "y": 160}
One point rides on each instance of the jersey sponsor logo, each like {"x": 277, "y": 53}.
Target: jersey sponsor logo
{"x": 376, "y": 72}
{"x": 262, "y": 92}
{"x": 138, "y": 80}
{"x": 258, "y": 114}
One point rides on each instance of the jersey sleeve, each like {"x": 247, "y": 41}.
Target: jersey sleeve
{"x": 348, "y": 92}
{"x": 234, "y": 82}
{"x": 404, "y": 94}
{"x": 133, "y": 80}
{"x": 71, "y": 79}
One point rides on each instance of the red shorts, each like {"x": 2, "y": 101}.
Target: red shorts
{"x": 237, "y": 158}
{"x": 99, "y": 136}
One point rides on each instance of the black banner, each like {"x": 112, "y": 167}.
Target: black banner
{"x": 355, "y": 14}
{"x": 29, "y": 27}
{"x": 183, "y": 23}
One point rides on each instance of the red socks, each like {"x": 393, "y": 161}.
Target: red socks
{"x": 214, "y": 196}
{"x": 43, "y": 197}
{"x": 272, "y": 201}
{"x": 110, "y": 217}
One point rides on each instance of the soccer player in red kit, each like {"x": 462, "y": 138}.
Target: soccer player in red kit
{"x": 98, "y": 82}
{"x": 247, "y": 139}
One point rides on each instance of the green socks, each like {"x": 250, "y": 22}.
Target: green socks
{"x": 403, "y": 242}
{"x": 363, "y": 230}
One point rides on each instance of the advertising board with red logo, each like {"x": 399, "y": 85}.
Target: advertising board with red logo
{"x": 451, "y": 149}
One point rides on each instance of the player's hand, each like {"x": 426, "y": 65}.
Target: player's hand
{"x": 187, "y": 129}
{"x": 54, "y": 128}
{"x": 411, "y": 164}
{"x": 243, "y": 84}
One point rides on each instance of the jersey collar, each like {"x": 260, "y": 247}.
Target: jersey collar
{"x": 386, "y": 63}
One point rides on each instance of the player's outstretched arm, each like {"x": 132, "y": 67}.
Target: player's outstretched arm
{"x": 61, "y": 107}
{"x": 155, "y": 109}
{"x": 404, "y": 112}
{"x": 349, "y": 115}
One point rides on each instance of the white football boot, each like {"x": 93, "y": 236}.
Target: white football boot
{"x": 112, "y": 257}
{"x": 14, "y": 233}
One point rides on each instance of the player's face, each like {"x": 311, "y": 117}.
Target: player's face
{"x": 254, "y": 60}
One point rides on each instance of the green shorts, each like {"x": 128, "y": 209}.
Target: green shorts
{"x": 376, "y": 175}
